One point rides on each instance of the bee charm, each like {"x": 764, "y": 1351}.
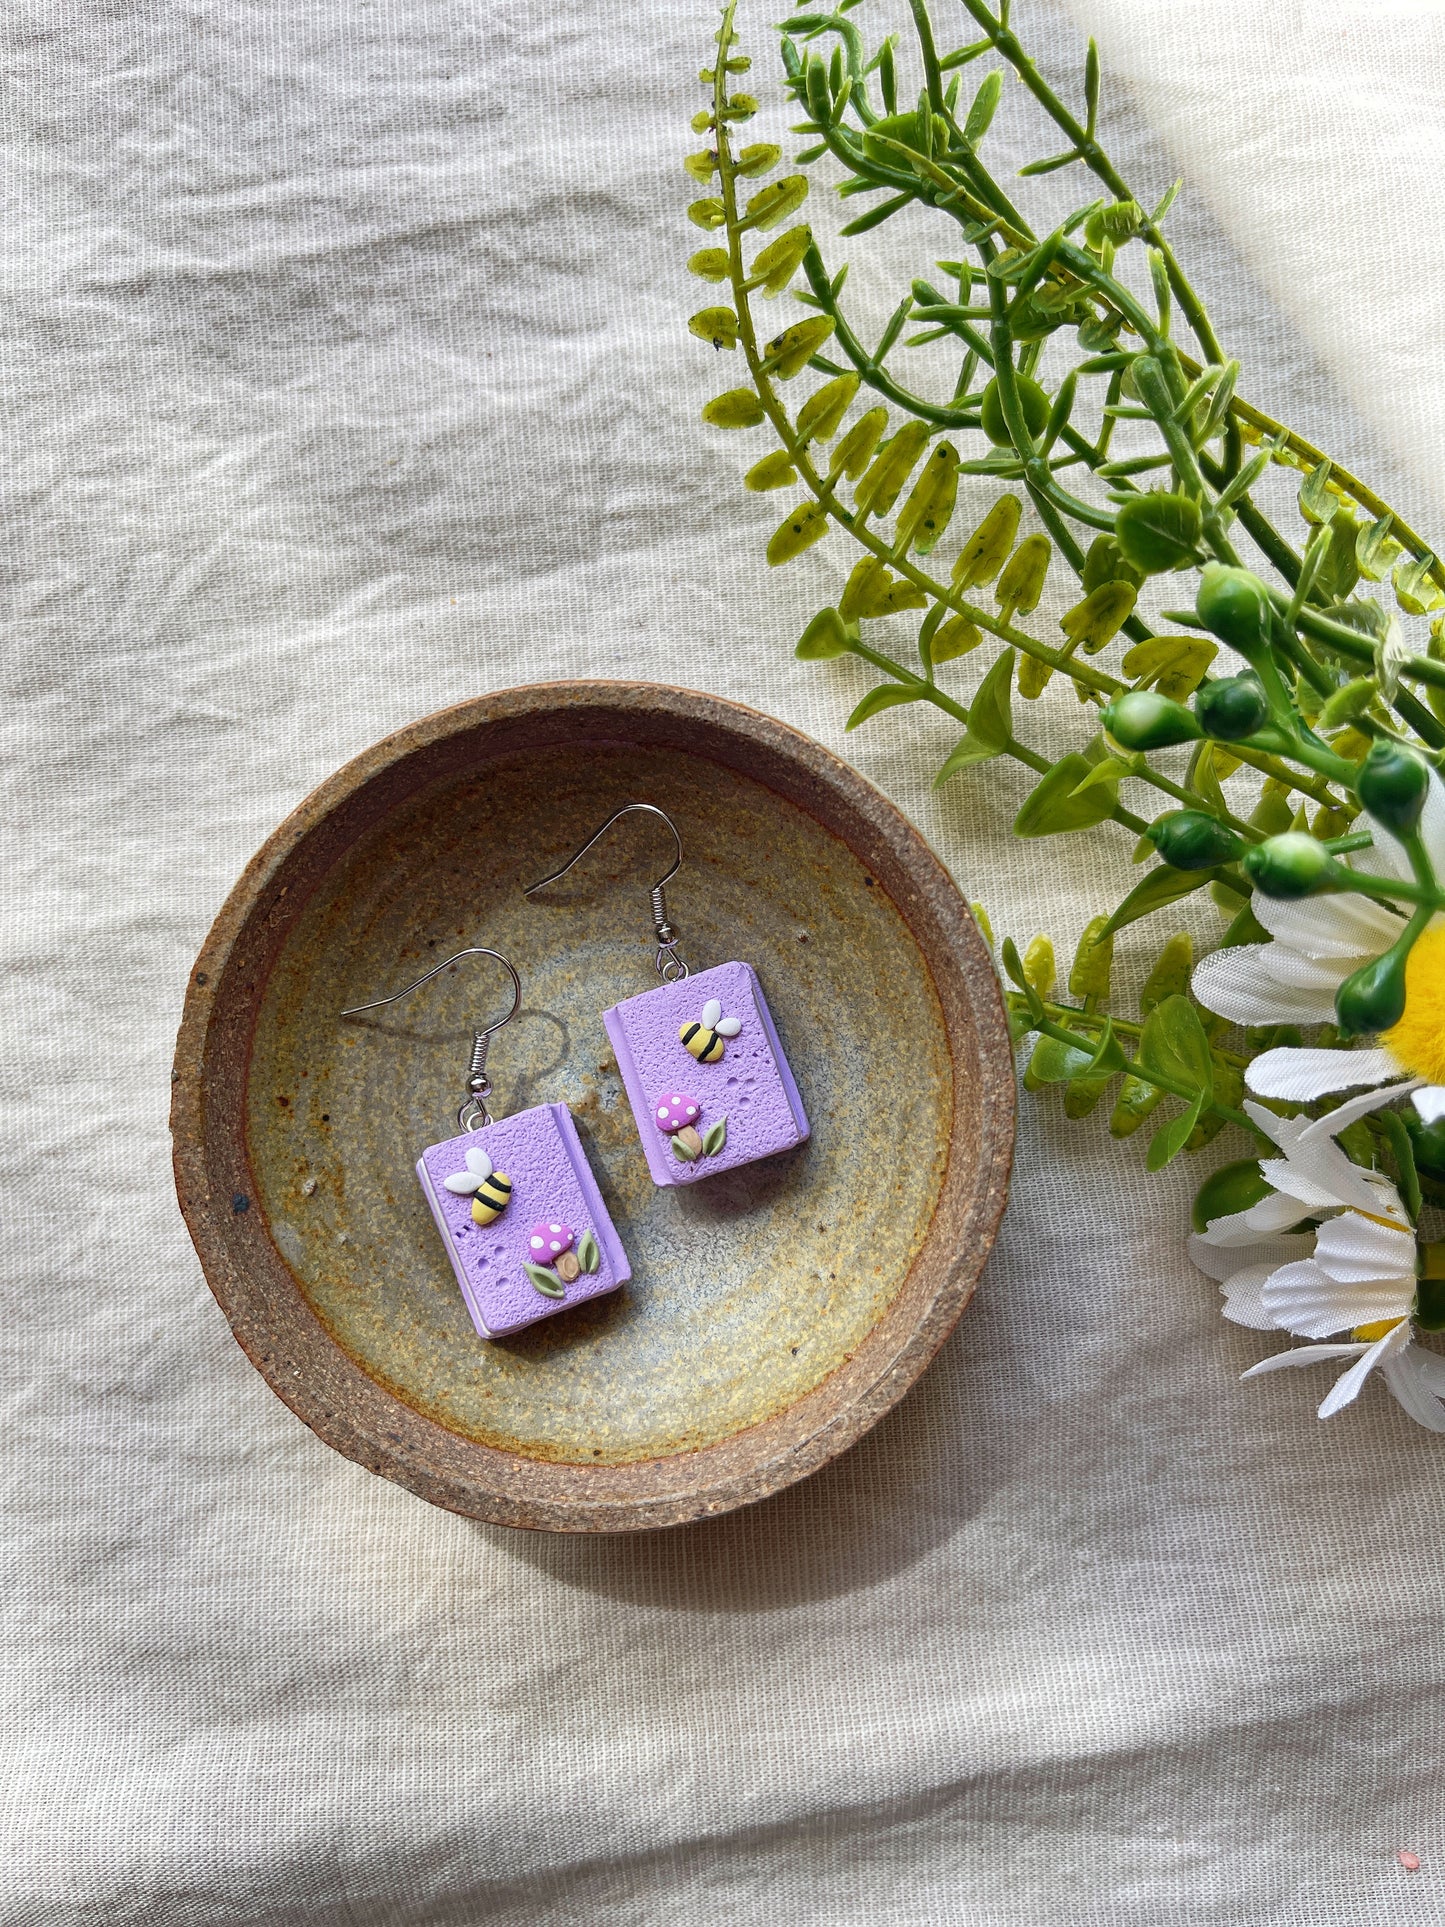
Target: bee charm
{"x": 707, "y": 1039}
{"x": 490, "y": 1190}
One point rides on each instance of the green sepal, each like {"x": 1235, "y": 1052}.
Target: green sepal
{"x": 589, "y": 1254}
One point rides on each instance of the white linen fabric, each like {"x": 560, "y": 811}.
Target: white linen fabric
{"x": 347, "y": 376}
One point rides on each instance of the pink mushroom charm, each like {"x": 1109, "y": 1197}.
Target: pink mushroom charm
{"x": 674, "y": 1111}
{"x": 547, "y": 1242}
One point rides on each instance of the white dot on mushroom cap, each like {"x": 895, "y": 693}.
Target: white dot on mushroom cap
{"x": 692, "y": 1110}
{"x": 555, "y": 1245}
{"x": 662, "y": 1110}
{"x": 536, "y": 1244}
{"x": 554, "y": 1227}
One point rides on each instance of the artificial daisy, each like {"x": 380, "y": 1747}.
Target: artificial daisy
{"x": 1360, "y": 1278}
{"x": 1315, "y": 943}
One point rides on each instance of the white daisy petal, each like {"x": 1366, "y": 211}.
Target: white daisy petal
{"x": 1299, "y": 1074}
{"x": 1429, "y": 1367}
{"x": 1353, "y": 1250}
{"x": 1410, "y": 1388}
{"x": 1235, "y": 984}
{"x": 1222, "y": 1261}
{"x": 1349, "y": 927}
{"x": 1304, "y": 1355}
{"x": 1272, "y": 1214}
{"x": 1295, "y": 1180}
{"x": 1335, "y": 1121}
{"x": 1243, "y": 1300}
{"x": 1347, "y": 1388}
{"x": 1303, "y": 1298}
{"x": 1430, "y": 1102}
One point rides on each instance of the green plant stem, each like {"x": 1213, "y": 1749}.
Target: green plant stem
{"x": 1174, "y": 1086}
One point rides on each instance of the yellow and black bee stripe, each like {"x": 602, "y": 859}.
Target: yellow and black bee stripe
{"x": 491, "y": 1198}
{"x": 705, "y": 1044}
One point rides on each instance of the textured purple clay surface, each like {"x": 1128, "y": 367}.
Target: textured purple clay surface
{"x": 752, "y": 1086}
{"x": 551, "y": 1183}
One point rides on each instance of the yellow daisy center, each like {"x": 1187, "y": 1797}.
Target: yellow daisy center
{"x": 1367, "y": 1334}
{"x": 1417, "y": 1042}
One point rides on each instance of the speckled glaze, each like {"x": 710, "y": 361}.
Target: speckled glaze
{"x": 774, "y": 1312}
{"x": 751, "y": 1085}
{"x": 540, "y": 1152}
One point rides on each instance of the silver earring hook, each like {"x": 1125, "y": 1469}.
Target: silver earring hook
{"x": 670, "y": 966}
{"x": 472, "y": 1112}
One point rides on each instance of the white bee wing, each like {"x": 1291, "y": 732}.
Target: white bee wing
{"x": 727, "y": 1026}
{"x": 462, "y": 1183}
{"x": 711, "y": 1011}
{"x": 481, "y": 1165}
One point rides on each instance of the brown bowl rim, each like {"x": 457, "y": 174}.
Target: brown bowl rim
{"x": 358, "y": 1416}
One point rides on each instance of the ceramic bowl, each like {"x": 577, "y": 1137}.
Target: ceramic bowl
{"x": 775, "y": 1312}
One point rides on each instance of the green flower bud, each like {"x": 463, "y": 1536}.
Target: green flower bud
{"x": 1033, "y": 401}
{"x": 1142, "y": 719}
{"x": 1392, "y": 784}
{"x": 1292, "y": 865}
{"x": 1232, "y": 708}
{"x": 1428, "y": 1141}
{"x": 1374, "y": 997}
{"x": 1234, "y": 1187}
{"x": 1193, "y": 840}
{"x": 1234, "y": 605}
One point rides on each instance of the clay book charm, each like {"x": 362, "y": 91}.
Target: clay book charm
{"x": 700, "y": 1057}
{"x": 514, "y": 1199}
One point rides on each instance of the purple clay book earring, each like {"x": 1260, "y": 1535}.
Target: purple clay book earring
{"x": 699, "y": 1056}
{"x": 514, "y": 1198}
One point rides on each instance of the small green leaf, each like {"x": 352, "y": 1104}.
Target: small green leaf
{"x": 1171, "y": 973}
{"x": 1416, "y": 590}
{"x": 684, "y": 1152}
{"x": 985, "y": 105}
{"x": 824, "y": 638}
{"x": 1022, "y": 581}
{"x": 716, "y": 325}
{"x": 775, "y": 265}
{"x": 952, "y": 639}
{"x": 1054, "y": 1062}
{"x": 776, "y": 202}
{"x": 758, "y": 158}
{"x": 1052, "y": 808}
{"x": 1159, "y": 531}
{"x": 789, "y": 353}
{"x": 589, "y": 1255}
{"x": 710, "y": 263}
{"x": 1174, "y": 1043}
{"x": 1096, "y": 620}
{"x": 929, "y": 508}
{"x": 738, "y": 408}
{"x": 988, "y": 548}
{"x": 1174, "y": 665}
{"x": 547, "y": 1282}
{"x": 1170, "y": 1139}
{"x": 820, "y": 414}
{"x": 1376, "y": 549}
{"x": 887, "y": 695}
{"x": 855, "y": 451}
{"x": 807, "y": 524}
{"x": 880, "y": 487}
{"x": 1316, "y": 503}
{"x": 1108, "y": 1058}
{"x": 1093, "y": 961}
{"x": 990, "y": 714}
{"x": 714, "y": 1138}
{"x": 707, "y": 214}
{"x": 773, "y": 471}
